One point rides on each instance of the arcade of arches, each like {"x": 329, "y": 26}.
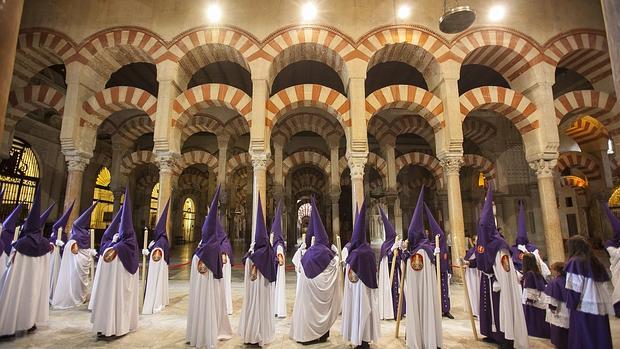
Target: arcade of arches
{"x": 313, "y": 110}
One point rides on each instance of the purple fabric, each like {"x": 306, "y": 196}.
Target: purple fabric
{"x": 319, "y": 255}
{"x": 79, "y": 229}
{"x": 276, "y": 229}
{"x": 112, "y": 229}
{"x": 537, "y": 326}
{"x": 32, "y": 242}
{"x": 46, "y": 214}
{"x": 534, "y": 281}
{"x": 489, "y": 241}
{"x": 615, "y": 226}
{"x": 390, "y": 235}
{"x": 127, "y": 245}
{"x": 469, "y": 253}
{"x": 396, "y": 285}
{"x": 263, "y": 256}
{"x": 209, "y": 250}
{"x": 160, "y": 237}
{"x": 361, "y": 258}
{"x": 225, "y": 246}
{"x": 61, "y": 223}
{"x": 8, "y": 229}
{"x": 445, "y": 294}
{"x": 522, "y": 239}
{"x": 415, "y": 233}
{"x": 588, "y": 331}
{"x": 556, "y": 288}
{"x": 559, "y": 336}
{"x": 485, "y": 316}
{"x": 444, "y": 260}
{"x": 579, "y": 266}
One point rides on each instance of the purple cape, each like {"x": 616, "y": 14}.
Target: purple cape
{"x": 225, "y": 246}
{"x": 276, "y": 229}
{"x": 8, "y": 230}
{"x": 361, "y": 257}
{"x": 160, "y": 237}
{"x": 112, "y": 229}
{"x": 489, "y": 241}
{"x": 61, "y": 223}
{"x": 615, "y": 226}
{"x": 390, "y": 235}
{"x": 319, "y": 255}
{"x": 415, "y": 233}
{"x": 32, "y": 243}
{"x": 127, "y": 245}
{"x": 209, "y": 250}
{"x": 79, "y": 228}
{"x": 263, "y": 256}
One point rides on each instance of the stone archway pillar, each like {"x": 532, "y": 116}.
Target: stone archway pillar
{"x": 357, "y": 162}
{"x": 452, "y": 166}
{"x": 76, "y": 165}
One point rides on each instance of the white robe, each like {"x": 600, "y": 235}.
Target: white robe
{"x": 280, "y": 288}
{"x": 207, "y": 321}
{"x": 511, "y": 317}
{"x": 73, "y": 278}
{"x": 24, "y": 291}
{"x": 614, "y": 259}
{"x": 473, "y": 288}
{"x": 95, "y": 284}
{"x": 318, "y": 303}
{"x": 115, "y": 302}
{"x": 156, "y": 296}
{"x": 297, "y": 263}
{"x": 227, "y": 271}
{"x": 54, "y": 270}
{"x": 256, "y": 320}
{"x": 360, "y": 315}
{"x": 423, "y": 309}
{"x": 386, "y": 308}
{"x": 3, "y": 261}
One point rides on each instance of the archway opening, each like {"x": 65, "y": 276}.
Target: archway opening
{"x": 189, "y": 219}
{"x": 102, "y": 214}
{"x": 19, "y": 176}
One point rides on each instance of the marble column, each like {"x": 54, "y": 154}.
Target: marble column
{"x": 357, "y": 163}
{"x": 167, "y": 166}
{"x": 76, "y": 165}
{"x": 10, "y": 16}
{"x": 259, "y": 164}
{"x": 549, "y": 207}
{"x": 451, "y": 167}
{"x": 611, "y": 13}
{"x": 335, "y": 201}
{"x": 509, "y": 212}
{"x": 222, "y": 144}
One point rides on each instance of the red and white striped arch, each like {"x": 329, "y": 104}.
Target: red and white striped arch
{"x": 202, "y": 123}
{"x": 305, "y": 158}
{"x": 478, "y": 131}
{"x": 412, "y": 98}
{"x": 193, "y": 181}
{"x": 102, "y": 104}
{"x": 135, "y": 127}
{"x": 424, "y": 39}
{"x": 402, "y": 125}
{"x": 27, "y": 99}
{"x": 575, "y": 182}
{"x": 594, "y": 103}
{"x": 586, "y": 130}
{"x": 511, "y": 104}
{"x": 308, "y": 182}
{"x": 420, "y": 159}
{"x": 197, "y": 157}
{"x": 308, "y": 95}
{"x": 238, "y": 161}
{"x": 584, "y": 162}
{"x": 481, "y": 164}
{"x": 322, "y": 36}
{"x": 204, "y": 96}
{"x": 315, "y": 123}
{"x": 379, "y": 164}
{"x": 135, "y": 159}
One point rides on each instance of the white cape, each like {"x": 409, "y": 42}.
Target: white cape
{"x": 73, "y": 278}
{"x": 318, "y": 303}
{"x": 297, "y": 263}
{"x": 227, "y": 271}
{"x": 115, "y": 301}
{"x": 360, "y": 320}
{"x": 256, "y": 320}
{"x": 280, "y": 291}
{"x": 95, "y": 283}
{"x": 24, "y": 291}
{"x": 511, "y": 317}
{"x": 3, "y": 261}
{"x": 386, "y": 308}
{"x": 156, "y": 295}
{"x": 54, "y": 270}
{"x": 423, "y": 308}
{"x": 207, "y": 321}
{"x": 473, "y": 288}
{"x": 614, "y": 259}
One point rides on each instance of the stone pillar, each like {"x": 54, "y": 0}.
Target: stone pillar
{"x": 451, "y": 168}
{"x": 398, "y": 218}
{"x": 549, "y": 208}
{"x": 611, "y": 13}
{"x": 10, "y": 16}
{"x": 76, "y": 165}
{"x": 509, "y": 211}
{"x": 357, "y": 162}
{"x": 335, "y": 200}
{"x": 167, "y": 166}
{"x": 117, "y": 193}
{"x": 259, "y": 186}
{"x": 222, "y": 144}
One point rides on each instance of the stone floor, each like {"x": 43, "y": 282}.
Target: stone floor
{"x": 72, "y": 328}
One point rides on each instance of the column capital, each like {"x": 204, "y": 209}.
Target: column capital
{"x": 452, "y": 164}
{"x": 77, "y": 162}
{"x": 543, "y": 168}
{"x": 357, "y": 162}
{"x": 167, "y": 162}
{"x": 259, "y": 160}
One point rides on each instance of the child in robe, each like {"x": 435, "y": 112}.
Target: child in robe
{"x": 557, "y": 312}
{"x": 534, "y": 306}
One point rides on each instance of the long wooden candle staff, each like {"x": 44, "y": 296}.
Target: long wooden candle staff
{"x": 145, "y": 244}
{"x": 92, "y": 246}
{"x": 438, "y": 268}
{"x": 403, "y": 272}
{"x": 467, "y": 300}
{"x": 393, "y": 268}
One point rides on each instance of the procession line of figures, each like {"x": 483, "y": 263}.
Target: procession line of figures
{"x": 507, "y": 285}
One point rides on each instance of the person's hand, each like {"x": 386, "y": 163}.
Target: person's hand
{"x": 437, "y": 251}
{"x": 151, "y": 243}
{"x": 496, "y": 287}
{"x": 145, "y": 251}
{"x": 59, "y": 243}
{"x": 92, "y": 252}
{"x": 522, "y": 248}
{"x": 115, "y": 238}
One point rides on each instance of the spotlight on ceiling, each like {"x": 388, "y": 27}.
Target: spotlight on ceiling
{"x": 456, "y": 19}
{"x": 404, "y": 11}
{"x": 309, "y": 11}
{"x": 214, "y": 13}
{"x": 497, "y": 13}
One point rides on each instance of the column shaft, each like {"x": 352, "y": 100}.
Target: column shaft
{"x": 452, "y": 166}
{"x": 73, "y": 193}
{"x": 10, "y": 16}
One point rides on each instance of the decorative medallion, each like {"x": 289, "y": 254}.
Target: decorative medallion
{"x": 157, "y": 254}
{"x": 74, "y": 248}
{"x": 202, "y": 267}
{"x": 280, "y": 259}
{"x": 506, "y": 263}
{"x": 417, "y": 262}
{"x": 108, "y": 256}
{"x": 480, "y": 249}
{"x": 224, "y": 258}
{"x": 253, "y": 272}
{"x": 352, "y": 276}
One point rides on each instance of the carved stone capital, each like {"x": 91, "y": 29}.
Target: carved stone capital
{"x": 77, "y": 162}
{"x": 543, "y": 168}
{"x": 451, "y": 165}
{"x": 357, "y": 164}
{"x": 167, "y": 162}
{"x": 259, "y": 161}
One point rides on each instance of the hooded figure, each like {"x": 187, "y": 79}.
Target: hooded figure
{"x": 613, "y": 248}
{"x": 501, "y": 313}
{"x": 473, "y": 280}
{"x": 360, "y": 313}
{"x": 24, "y": 287}
{"x": 423, "y": 321}
{"x": 156, "y": 295}
{"x": 444, "y": 262}
{"x": 226, "y": 252}
{"x": 115, "y": 301}
{"x": 279, "y": 248}
{"x": 57, "y": 241}
{"x": 6, "y": 237}
{"x": 207, "y": 321}
{"x": 303, "y": 247}
{"x": 319, "y": 288}
{"x": 523, "y": 245}
{"x": 73, "y": 277}
{"x": 257, "y": 321}
{"x": 388, "y": 294}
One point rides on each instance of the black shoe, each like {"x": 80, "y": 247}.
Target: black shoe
{"x": 253, "y": 345}
{"x": 364, "y": 345}
{"x": 489, "y": 340}
{"x": 448, "y": 315}
{"x": 7, "y": 337}
{"x": 324, "y": 337}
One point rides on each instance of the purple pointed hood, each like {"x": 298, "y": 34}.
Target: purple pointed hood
{"x": 310, "y": 230}
{"x": 444, "y": 262}
{"x": 108, "y": 234}
{"x": 522, "y": 238}
{"x": 160, "y": 237}
{"x": 209, "y": 250}
{"x": 390, "y": 235}
{"x": 127, "y": 245}
{"x": 46, "y": 214}
{"x": 361, "y": 258}
{"x": 319, "y": 255}
{"x": 61, "y": 223}
{"x": 225, "y": 246}
{"x": 615, "y": 227}
{"x": 32, "y": 243}
{"x": 415, "y": 233}
{"x": 263, "y": 256}
{"x": 276, "y": 229}
{"x": 489, "y": 241}
{"x": 79, "y": 228}
{"x": 8, "y": 229}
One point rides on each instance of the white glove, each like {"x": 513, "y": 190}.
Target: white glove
{"x": 145, "y": 251}
{"x": 496, "y": 287}
{"x": 92, "y": 252}
{"x": 59, "y": 243}
{"x": 151, "y": 243}
{"x": 437, "y": 251}
{"x": 396, "y": 244}
{"x": 115, "y": 238}
{"x": 522, "y": 248}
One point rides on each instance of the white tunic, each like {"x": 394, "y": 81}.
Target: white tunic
{"x": 280, "y": 290}
{"x": 115, "y": 301}
{"x": 95, "y": 284}
{"x": 297, "y": 263}
{"x": 511, "y": 317}
{"x": 360, "y": 320}
{"x": 3, "y": 261}
{"x": 156, "y": 295}
{"x": 318, "y": 303}
{"x": 473, "y": 288}
{"x": 256, "y": 320}
{"x": 73, "y": 278}
{"x": 24, "y": 290}
{"x": 54, "y": 270}
{"x": 614, "y": 259}
{"x": 423, "y": 308}
{"x": 207, "y": 321}
{"x": 386, "y": 308}
{"x": 227, "y": 271}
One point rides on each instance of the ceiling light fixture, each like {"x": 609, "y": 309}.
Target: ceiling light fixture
{"x": 214, "y": 13}
{"x": 456, "y": 18}
{"x": 309, "y": 11}
{"x": 404, "y": 11}
{"x": 497, "y": 13}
